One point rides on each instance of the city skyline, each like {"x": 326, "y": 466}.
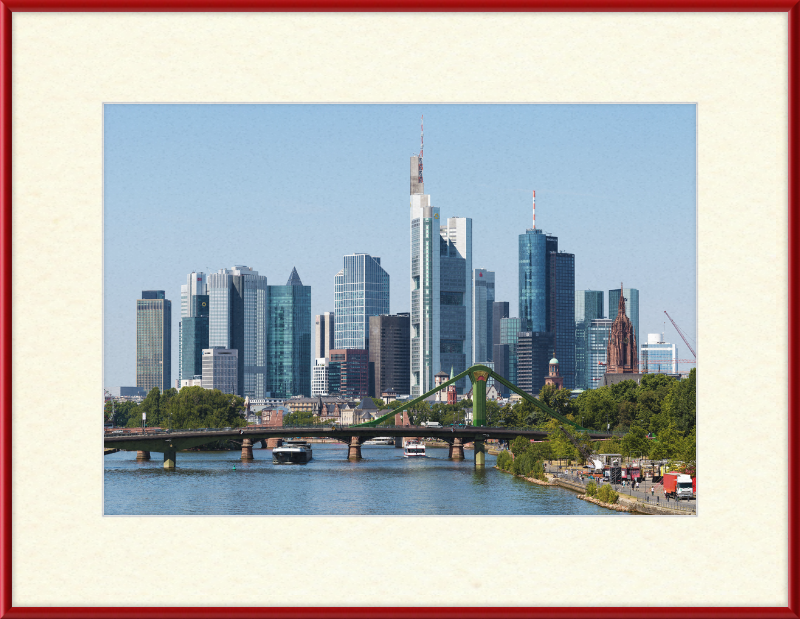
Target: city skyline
{"x": 162, "y": 197}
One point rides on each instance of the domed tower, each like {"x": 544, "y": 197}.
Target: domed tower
{"x": 553, "y": 378}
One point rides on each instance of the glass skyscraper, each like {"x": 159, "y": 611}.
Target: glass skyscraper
{"x": 533, "y": 280}
{"x": 289, "y": 341}
{"x": 509, "y": 331}
{"x": 361, "y": 290}
{"x": 599, "y": 330}
{"x": 153, "y": 341}
{"x": 631, "y": 307}
{"x": 547, "y": 300}
{"x": 561, "y": 314}
{"x": 195, "y": 285}
{"x": 194, "y": 337}
{"x": 588, "y": 307}
{"x": 238, "y": 320}
{"x": 455, "y": 298}
{"x": 482, "y": 312}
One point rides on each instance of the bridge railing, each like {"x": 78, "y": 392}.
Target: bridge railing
{"x": 332, "y": 426}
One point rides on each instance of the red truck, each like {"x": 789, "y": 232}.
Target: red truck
{"x": 678, "y": 486}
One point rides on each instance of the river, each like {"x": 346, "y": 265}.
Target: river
{"x": 384, "y": 483}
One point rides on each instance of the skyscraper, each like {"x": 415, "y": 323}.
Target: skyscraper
{"x": 319, "y": 377}
{"x": 588, "y": 307}
{"x": 324, "y": 335}
{"x": 455, "y": 298}
{"x": 153, "y": 341}
{"x": 547, "y": 300}
{"x": 561, "y": 313}
{"x": 533, "y": 353}
{"x": 482, "y": 306}
{"x": 599, "y": 330}
{"x": 631, "y": 306}
{"x": 425, "y": 292}
{"x": 509, "y": 332}
{"x": 351, "y": 365}
{"x": 499, "y": 311}
{"x": 533, "y": 280}
{"x": 220, "y": 370}
{"x": 238, "y": 320}
{"x": 195, "y": 285}
{"x": 389, "y": 353}
{"x": 194, "y": 337}
{"x": 361, "y": 290}
{"x": 441, "y": 288}
{"x": 289, "y": 340}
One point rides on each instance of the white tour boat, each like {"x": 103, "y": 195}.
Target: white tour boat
{"x": 380, "y": 440}
{"x": 414, "y": 448}
{"x": 292, "y": 452}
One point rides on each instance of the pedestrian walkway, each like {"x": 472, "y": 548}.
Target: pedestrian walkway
{"x": 648, "y": 492}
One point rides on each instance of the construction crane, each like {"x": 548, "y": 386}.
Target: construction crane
{"x": 683, "y": 337}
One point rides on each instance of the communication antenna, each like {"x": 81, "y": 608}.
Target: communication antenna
{"x": 534, "y": 209}
{"x": 421, "y": 142}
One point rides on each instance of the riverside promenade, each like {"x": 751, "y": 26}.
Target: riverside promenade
{"x": 648, "y": 499}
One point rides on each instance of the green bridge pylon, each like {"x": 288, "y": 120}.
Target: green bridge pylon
{"x": 478, "y": 375}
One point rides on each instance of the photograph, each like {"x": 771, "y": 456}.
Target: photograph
{"x": 399, "y": 309}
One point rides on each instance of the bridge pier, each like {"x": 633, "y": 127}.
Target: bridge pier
{"x": 456, "y": 451}
{"x": 247, "y": 449}
{"x": 480, "y": 453}
{"x": 169, "y": 459}
{"x": 354, "y": 449}
{"x": 142, "y": 455}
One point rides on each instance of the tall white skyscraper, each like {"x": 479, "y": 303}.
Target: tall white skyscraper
{"x": 361, "y": 290}
{"x": 482, "y": 302}
{"x": 441, "y": 289}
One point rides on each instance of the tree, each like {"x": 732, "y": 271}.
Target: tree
{"x": 680, "y": 403}
{"x": 557, "y": 399}
{"x": 596, "y": 407}
{"x": 667, "y": 445}
{"x": 195, "y": 407}
{"x": 299, "y": 418}
{"x": 634, "y": 442}
{"x": 122, "y": 412}
{"x": 520, "y": 445}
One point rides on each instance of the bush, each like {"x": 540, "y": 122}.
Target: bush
{"x": 591, "y": 489}
{"x": 538, "y": 471}
{"x": 607, "y": 494}
{"x": 504, "y": 460}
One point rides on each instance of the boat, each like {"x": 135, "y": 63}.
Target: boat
{"x": 380, "y": 440}
{"x": 414, "y": 448}
{"x": 292, "y": 452}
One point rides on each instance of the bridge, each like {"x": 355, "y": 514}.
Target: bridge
{"x": 169, "y": 442}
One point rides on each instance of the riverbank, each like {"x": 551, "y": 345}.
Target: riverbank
{"x": 624, "y": 503}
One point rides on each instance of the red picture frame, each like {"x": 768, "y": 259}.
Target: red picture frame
{"x": 9, "y": 6}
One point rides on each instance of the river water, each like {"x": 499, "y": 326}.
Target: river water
{"x": 384, "y": 483}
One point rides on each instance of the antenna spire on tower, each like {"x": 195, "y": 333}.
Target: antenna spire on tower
{"x": 534, "y": 209}
{"x": 421, "y": 142}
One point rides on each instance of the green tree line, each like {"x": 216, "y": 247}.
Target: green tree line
{"x": 189, "y": 408}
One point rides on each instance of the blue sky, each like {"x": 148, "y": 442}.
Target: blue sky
{"x": 202, "y": 187}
